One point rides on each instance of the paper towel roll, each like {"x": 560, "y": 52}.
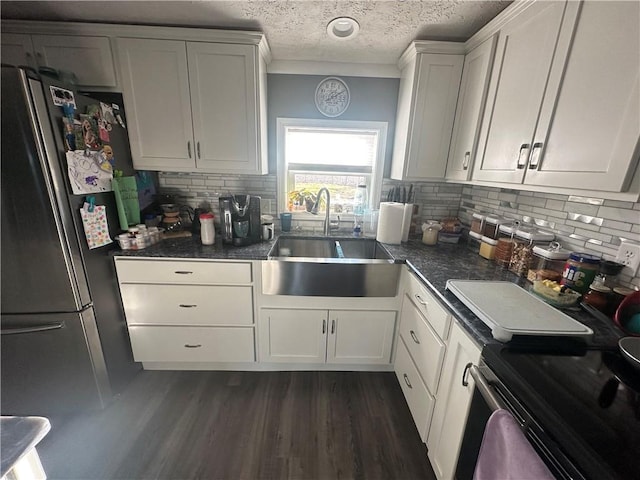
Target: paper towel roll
{"x": 390, "y": 223}
{"x": 406, "y": 221}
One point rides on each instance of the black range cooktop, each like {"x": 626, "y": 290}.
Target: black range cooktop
{"x": 587, "y": 397}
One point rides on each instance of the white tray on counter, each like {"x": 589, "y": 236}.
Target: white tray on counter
{"x": 508, "y": 310}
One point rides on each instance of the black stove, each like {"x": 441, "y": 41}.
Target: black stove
{"x": 586, "y": 398}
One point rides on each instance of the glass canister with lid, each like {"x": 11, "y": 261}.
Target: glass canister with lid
{"x": 505, "y": 242}
{"x": 477, "y": 224}
{"x": 548, "y": 262}
{"x": 579, "y": 271}
{"x": 491, "y": 227}
{"x": 522, "y": 254}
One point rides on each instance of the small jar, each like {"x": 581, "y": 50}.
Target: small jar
{"x": 579, "y": 271}
{"x": 488, "y": 248}
{"x": 548, "y": 262}
{"x": 477, "y": 223}
{"x": 207, "y": 231}
{"x": 597, "y": 297}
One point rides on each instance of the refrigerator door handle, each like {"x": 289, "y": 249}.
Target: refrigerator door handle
{"x": 34, "y": 329}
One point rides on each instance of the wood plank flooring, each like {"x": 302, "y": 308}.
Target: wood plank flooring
{"x": 243, "y": 425}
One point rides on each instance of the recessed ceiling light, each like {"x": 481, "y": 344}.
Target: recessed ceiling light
{"x": 342, "y": 28}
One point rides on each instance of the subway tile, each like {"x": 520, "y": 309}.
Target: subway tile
{"x": 555, "y": 205}
{"x": 581, "y": 208}
{"x": 619, "y": 214}
{"x": 618, "y": 204}
{"x": 607, "y": 224}
{"x": 586, "y": 226}
{"x": 533, "y": 201}
{"x": 595, "y": 235}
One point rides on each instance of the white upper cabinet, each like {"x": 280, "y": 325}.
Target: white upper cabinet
{"x": 89, "y": 58}
{"x": 195, "y": 106}
{"x": 563, "y": 107}
{"x": 426, "y": 108}
{"x": 524, "y": 57}
{"x": 155, "y": 84}
{"x": 466, "y": 127}
{"x": 588, "y": 136}
{"x": 223, "y": 102}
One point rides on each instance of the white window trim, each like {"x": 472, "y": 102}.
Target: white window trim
{"x": 377, "y": 170}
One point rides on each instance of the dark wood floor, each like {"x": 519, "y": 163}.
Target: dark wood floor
{"x": 243, "y": 425}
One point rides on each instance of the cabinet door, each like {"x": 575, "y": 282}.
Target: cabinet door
{"x": 360, "y": 337}
{"x": 17, "y": 49}
{"x": 155, "y": 84}
{"x": 524, "y": 55}
{"x": 293, "y": 336}
{"x": 473, "y": 88}
{"x": 423, "y": 155}
{"x": 224, "y": 85}
{"x": 588, "y": 134}
{"x": 452, "y": 405}
{"x": 90, "y": 58}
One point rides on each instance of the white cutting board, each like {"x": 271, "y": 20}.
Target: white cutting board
{"x": 510, "y": 310}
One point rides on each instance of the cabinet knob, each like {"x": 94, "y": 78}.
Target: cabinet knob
{"x": 523, "y": 155}
{"x": 413, "y": 335}
{"x": 406, "y": 380}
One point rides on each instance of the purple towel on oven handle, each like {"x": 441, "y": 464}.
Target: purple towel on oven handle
{"x": 506, "y": 454}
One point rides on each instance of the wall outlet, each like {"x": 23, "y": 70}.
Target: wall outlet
{"x": 629, "y": 255}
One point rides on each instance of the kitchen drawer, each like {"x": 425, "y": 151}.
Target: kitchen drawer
{"x": 437, "y": 317}
{"x": 415, "y": 392}
{"x": 187, "y": 304}
{"x": 425, "y": 347}
{"x": 192, "y": 344}
{"x": 183, "y": 272}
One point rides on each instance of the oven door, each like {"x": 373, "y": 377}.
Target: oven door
{"x": 489, "y": 395}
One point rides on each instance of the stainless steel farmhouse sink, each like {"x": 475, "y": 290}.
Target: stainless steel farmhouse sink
{"x": 332, "y": 267}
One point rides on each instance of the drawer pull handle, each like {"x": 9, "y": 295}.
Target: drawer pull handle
{"x": 413, "y": 335}
{"x": 333, "y": 327}
{"x": 186, "y": 305}
{"x": 406, "y": 380}
{"x": 465, "y": 373}
{"x": 420, "y": 300}
{"x": 324, "y": 326}
{"x": 183, "y": 272}
{"x": 192, "y": 346}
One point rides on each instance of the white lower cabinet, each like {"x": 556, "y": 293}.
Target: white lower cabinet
{"x": 192, "y": 344}
{"x": 182, "y": 312}
{"x": 452, "y": 404}
{"x": 326, "y": 336}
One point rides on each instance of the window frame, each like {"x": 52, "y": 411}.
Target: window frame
{"x": 375, "y": 189}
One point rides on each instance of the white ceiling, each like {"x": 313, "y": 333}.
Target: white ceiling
{"x": 295, "y": 29}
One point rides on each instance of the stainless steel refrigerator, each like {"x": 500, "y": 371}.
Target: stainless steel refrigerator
{"x": 65, "y": 345}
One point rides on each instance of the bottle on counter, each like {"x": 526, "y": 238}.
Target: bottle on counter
{"x": 207, "y": 231}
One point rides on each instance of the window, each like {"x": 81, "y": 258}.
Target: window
{"x": 337, "y": 154}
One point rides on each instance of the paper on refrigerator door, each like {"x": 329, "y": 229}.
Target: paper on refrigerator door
{"x": 89, "y": 172}
{"x": 95, "y": 225}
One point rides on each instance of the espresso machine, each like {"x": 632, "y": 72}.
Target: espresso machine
{"x": 240, "y": 220}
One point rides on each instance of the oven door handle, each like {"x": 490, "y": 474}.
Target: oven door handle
{"x": 484, "y": 387}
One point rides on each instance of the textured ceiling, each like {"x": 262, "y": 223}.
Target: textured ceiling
{"x": 295, "y": 29}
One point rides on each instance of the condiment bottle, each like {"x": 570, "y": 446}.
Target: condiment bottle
{"x": 207, "y": 232}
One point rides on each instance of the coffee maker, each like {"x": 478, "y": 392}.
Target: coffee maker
{"x": 240, "y": 220}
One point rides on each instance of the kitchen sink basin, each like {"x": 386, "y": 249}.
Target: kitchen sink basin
{"x": 332, "y": 267}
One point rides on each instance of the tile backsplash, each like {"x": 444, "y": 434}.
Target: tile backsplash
{"x": 580, "y": 223}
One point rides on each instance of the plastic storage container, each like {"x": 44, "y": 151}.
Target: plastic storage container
{"x": 548, "y": 262}
{"x": 477, "y": 224}
{"x": 207, "y": 231}
{"x": 522, "y": 254}
{"x": 579, "y": 271}
{"x": 491, "y": 226}
{"x": 474, "y": 240}
{"x": 506, "y": 240}
{"x": 488, "y": 248}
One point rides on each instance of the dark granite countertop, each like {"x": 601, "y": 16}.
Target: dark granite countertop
{"x": 19, "y": 435}
{"x": 433, "y": 264}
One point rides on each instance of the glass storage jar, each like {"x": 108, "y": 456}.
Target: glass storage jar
{"x": 491, "y": 226}
{"x": 522, "y": 254}
{"x": 477, "y": 223}
{"x": 505, "y": 244}
{"x": 548, "y": 262}
{"x": 474, "y": 241}
{"x": 488, "y": 248}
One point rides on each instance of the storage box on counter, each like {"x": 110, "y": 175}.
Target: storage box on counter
{"x": 548, "y": 262}
{"x": 522, "y": 255}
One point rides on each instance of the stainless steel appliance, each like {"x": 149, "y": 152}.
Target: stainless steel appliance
{"x": 240, "y": 220}
{"x": 578, "y": 405}
{"x": 65, "y": 344}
